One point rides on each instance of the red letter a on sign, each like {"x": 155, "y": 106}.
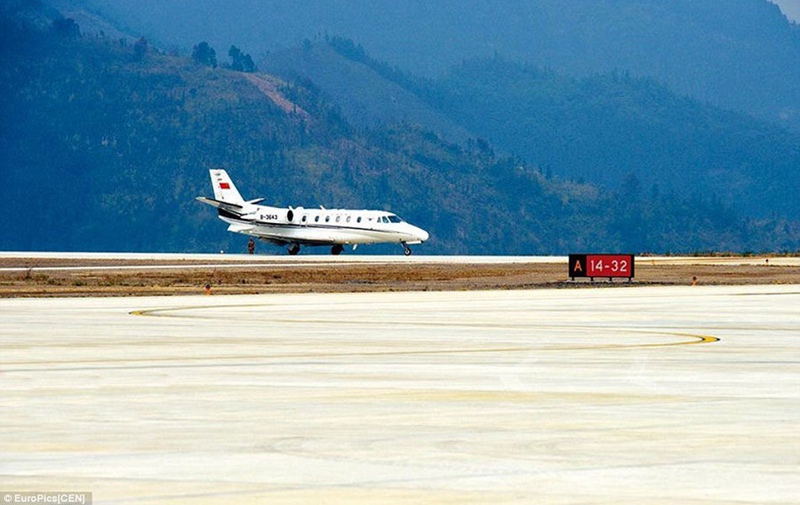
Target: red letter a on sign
{"x": 578, "y": 267}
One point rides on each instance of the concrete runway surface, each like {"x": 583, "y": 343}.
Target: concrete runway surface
{"x": 644, "y": 395}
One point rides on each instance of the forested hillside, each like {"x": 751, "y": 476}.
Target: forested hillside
{"x": 607, "y": 127}
{"x": 105, "y": 144}
{"x": 739, "y": 54}
{"x": 600, "y": 129}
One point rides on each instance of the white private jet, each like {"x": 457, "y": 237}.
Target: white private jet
{"x": 296, "y": 226}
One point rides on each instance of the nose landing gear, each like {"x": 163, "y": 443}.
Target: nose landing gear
{"x": 406, "y": 249}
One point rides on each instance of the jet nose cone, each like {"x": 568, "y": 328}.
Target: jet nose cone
{"x": 423, "y": 235}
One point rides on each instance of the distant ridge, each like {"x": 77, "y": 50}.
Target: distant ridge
{"x": 738, "y": 54}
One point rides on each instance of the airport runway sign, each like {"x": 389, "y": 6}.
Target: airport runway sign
{"x": 601, "y": 265}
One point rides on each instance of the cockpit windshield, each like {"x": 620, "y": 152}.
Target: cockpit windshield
{"x": 394, "y": 219}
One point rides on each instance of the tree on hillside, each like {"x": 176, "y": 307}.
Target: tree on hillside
{"x": 66, "y": 28}
{"x": 204, "y": 54}
{"x": 241, "y": 62}
{"x": 249, "y": 64}
{"x": 347, "y": 48}
{"x": 140, "y": 49}
{"x": 236, "y": 58}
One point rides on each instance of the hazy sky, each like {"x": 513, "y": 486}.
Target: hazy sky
{"x": 791, "y": 8}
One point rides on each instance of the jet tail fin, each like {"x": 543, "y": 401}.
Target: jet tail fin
{"x": 224, "y": 189}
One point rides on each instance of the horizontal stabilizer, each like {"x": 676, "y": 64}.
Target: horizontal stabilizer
{"x": 231, "y": 207}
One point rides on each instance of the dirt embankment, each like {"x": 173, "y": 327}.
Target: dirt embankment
{"x": 32, "y": 278}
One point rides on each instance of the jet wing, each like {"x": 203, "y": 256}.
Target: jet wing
{"x": 242, "y": 228}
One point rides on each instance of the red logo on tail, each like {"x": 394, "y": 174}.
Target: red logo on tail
{"x": 224, "y": 185}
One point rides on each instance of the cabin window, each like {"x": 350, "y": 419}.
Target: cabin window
{"x": 338, "y": 218}
{"x": 316, "y": 219}
{"x": 358, "y": 219}
{"x": 305, "y": 218}
{"x": 327, "y": 219}
{"x": 348, "y": 219}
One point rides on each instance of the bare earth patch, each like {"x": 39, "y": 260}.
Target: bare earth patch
{"x": 140, "y": 278}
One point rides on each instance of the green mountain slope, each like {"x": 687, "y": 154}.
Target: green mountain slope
{"x": 367, "y": 97}
{"x": 605, "y": 127}
{"x": 598, "y": 129}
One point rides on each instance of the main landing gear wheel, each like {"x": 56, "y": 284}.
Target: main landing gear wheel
{"x": 337, "y": 249}
{"x": 294, "y": 249}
